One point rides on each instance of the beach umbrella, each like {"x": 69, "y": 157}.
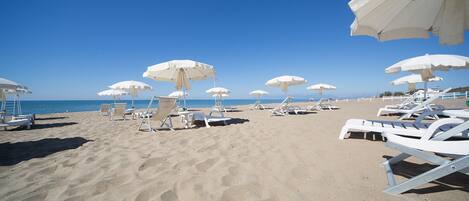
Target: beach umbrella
{"x": 412, "y": 80}
{"x": 177, "y": 94}
{"x": 115, "y": 93}
{"x": 258, "y": 94}
{"x": 180, "y": 72}
{"x": 397, "y": 19}
{"x": 218, "y": 93}
{"x": 427, "y": 64}
{"x": 133, "y": 87}
{"x": 321, "y": 87}
{"x": 283, "y": 82}
{"x": 8, "y": 84}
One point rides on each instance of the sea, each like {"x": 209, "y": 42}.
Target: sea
{"x": 61, "y": 106}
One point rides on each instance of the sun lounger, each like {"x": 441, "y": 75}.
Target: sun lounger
{"x": 162, "y": 114}
{"x": 207, "y": 119}
{"x": 17, "y": 122}
{"x": 322, "y": 105}
{"x": 281, "y": 109}
{"x": 105, "y": 109}
{"x": 456, "y": 156}
{"x": 417, "y": 109}
{"x": 405, "y": 128}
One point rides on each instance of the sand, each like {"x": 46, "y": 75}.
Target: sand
{"x": 85, "y": 156}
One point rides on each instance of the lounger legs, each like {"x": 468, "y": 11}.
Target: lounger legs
{"x": 445, "y": 167}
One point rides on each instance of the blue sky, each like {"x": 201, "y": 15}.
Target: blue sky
{"x": 65, "y": 49}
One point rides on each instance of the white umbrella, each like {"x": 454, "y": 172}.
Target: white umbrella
{"x": 411, "y": 80}
{"x": 258, "y": 93}
{"x": 8, "y": 84}
{"x": 218, "y": 91}
{"x": 283, "y": 82}
{"x": 177, "y": 94}
{"x": 425, "y": 65}
{"x": 321, "y": 87}
{"x": 220, "y": 95}
{"x": 396, "y": 19}
{"x": 180, "y": 72}
{"x": 115, "y": 93}
{"x": 133, "y": 87}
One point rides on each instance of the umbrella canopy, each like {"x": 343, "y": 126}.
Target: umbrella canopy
{"x": 8, "y": 84}
{"x": 321, "y": 87}
{"x": 425, "y": 65}
{"x": 113, "y": 92}
{"x": 180, "y": 72}
{"x": 218, "y": 91}
{"x": 411, "y": 80}
{"x": 177, "y": 94}
{"x": 283, "y": 82}
{"x": 258, "y": 93}
{"x": 133, "y": 87}
{"x": 391, "y": 19}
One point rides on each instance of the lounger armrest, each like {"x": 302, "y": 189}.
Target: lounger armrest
{"x": 432, "y": 129}
{"x": 427, "y": 113}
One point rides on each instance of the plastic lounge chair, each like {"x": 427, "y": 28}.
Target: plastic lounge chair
{"x": 404, "y": 128}
{"x": 426, "y": 148}
{"x": 17, "y": 122}
{"x": 281, "y": 109}
{"x": 119, "y": 111}
{"x": 417, "y": 109}
{"x": 207, "y": 119}
{"x": 162, "y": 114}
{"x": 105, "y": 109}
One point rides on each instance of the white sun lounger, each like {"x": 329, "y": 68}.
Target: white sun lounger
{"x": 321, "y": 105}
{"x": 17, "y": 122}
{"x": 105, "y": 109}
{"x": 207, "y": 119}
{"x": 163, "y": 114}
{"x": 405, "y": 128}
{"x": 417, "y": 109}
{"x": 426, "y": 149}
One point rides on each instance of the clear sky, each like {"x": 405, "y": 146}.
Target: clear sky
{"x": 68, "y": 49}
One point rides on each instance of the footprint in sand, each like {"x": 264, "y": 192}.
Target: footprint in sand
{"x": 152, "y": 162}
{"x": 250, "y": 191}
{"x": 169, "y": 196}
{"x": 207, "y": 164}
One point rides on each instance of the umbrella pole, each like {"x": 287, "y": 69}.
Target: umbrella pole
{"x": 425, "y": 91}
{"x": 184, "y": 96}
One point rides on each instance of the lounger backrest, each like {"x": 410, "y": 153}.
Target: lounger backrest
{"x": 425, "y": 103}
{"x": 166, "y": 105}
{"x": 105, "y": 107}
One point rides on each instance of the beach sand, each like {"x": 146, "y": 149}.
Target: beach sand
{"x": 85, "y": 156}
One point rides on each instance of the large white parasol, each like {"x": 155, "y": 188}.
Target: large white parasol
{"x": 321, "y": 87}
{"x": 396, "y": 19}
{"x": 115, "y": 93}
{"x": 412, "y": 80}
{"x": 283, "y": 82}
{"x": 8, "y": 84}
{"x": 218, "y": 93}
{"x": 425, "y": 65}
{"x": 133, "y": 87}
{"x": 258, "y": 94}
{"x": 180, "y": 72}
{"x": 177, "y": 94}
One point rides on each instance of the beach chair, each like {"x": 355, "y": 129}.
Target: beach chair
{"x": 408, "y": 103}
{"x": 322, "y": 105}
{"x": 162, "y": 114}
{"x": 105, "y": 109}
{"x": 257, "y": 106}
{"x": 21, "y": 122}
{"x": 417, "y": 109}
{"x": 119, "y": 111}
{"x": 281, "y": 109}
{"x": 207, "y": 119}
{"x": 456, "y": 156}
{"x": 405, "y": 128}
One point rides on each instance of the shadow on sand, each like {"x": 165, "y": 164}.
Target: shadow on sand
{"x": 201, "y": 124}
{"x": 50, "y": 118}
{"x": 14, "y": 153}
{"x": 455, "y": 181}
{"x": 44, "y": 126}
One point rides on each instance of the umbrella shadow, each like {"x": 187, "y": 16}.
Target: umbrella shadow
{"x": 45, "y": 126}
{"x": 201, "y": 124}
{"x": 50, "y": 118}
{"x": 14, "y": 153}
{"x": 455, "y": 181}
